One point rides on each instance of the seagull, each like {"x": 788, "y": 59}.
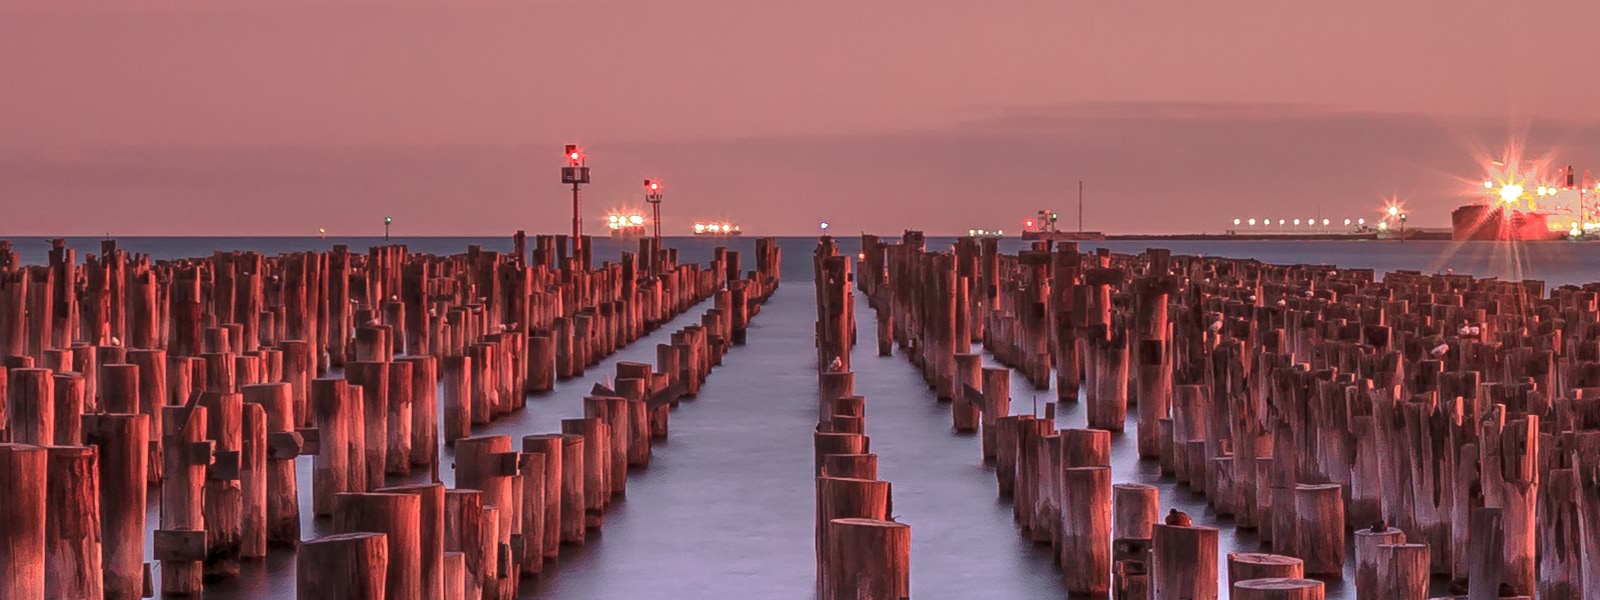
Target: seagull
{"x": 1178, "y": 517}
{"x": 1282, "y": 302}
{"x": 1440, "y": 350}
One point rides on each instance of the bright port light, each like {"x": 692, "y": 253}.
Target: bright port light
{"x": 1325, "y": 223}
{"x": 1383, "y": 226}
{"x": 1509, "y": 193}
{"x": 1236, "y": 221}
{"x": 1361, "y": 221}
{"x": 1393, "y": 210}
{"x": 1542, "y": 190}
{"x": 824, "y": 225}
{"x": 636, "y": 220}
{"x": 1488, "y": 185}
{"x": 1347, "y": 222}
{"x": 1297, "y": 222}
{"x": 699, "y": 227}
{"x": 1252, "y": 222}
{"x": 972, "y": 232}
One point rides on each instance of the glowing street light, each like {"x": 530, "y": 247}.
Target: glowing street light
{"x": 386, "y": 222}
{"x": 824, "y": 226}
{"x": 1393, "y": 210}
{"x": 1383, "y": 226}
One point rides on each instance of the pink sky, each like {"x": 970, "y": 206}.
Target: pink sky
{"x": 273, "y": 118}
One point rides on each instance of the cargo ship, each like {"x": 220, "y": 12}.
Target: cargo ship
{"x": 718, "y": 229}
{"x": 1520, "y": 204}
{"x": 626, "y": 225}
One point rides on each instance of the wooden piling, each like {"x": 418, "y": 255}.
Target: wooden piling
{"x": 868, "y": 559}
{"x": 398, "y": 516}
{"x": 546, "y": 448}
{"x": 1085, "y": 552}
{"x": 121, "y": 442}
{"x": 1185, "y": 563}
{"x": 23, "y": 472}
{"x": 351, "y": 566}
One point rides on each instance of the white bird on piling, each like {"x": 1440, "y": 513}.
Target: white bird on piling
{"x": 836, "y": 366}
{"x": 1282, "y": 302}
{"x": 1440, "y": 350}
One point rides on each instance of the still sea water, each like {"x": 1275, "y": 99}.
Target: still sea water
{"x": 725, "y": 509}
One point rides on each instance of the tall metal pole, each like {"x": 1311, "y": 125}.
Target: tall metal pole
{"x": 1080, "y": 206}
{"x": 657, "y": 219}
{"x": 577, "y": 222}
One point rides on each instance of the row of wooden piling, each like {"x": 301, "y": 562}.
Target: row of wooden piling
{"x": 512, "y": 510}
{"x": 223, "y": 386}
{"x": 1421, "y": 412}
{"x": 862, "y": 552}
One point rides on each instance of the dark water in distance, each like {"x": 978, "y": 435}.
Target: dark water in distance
{"x": 725, "y": 508}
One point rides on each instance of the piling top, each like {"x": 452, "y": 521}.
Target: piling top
{"x": 1278, "y": 583}
{"x": 1262, "y": 558}
{"x": 858, "y": 522}
{"x": 345, "y": 537}
{"x": 1132, "y": 486}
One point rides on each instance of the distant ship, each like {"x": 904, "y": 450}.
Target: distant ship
{"x": 1525, "y": 206}
{"x": 626, "y": 225}
{"x": 1042, "y": 227}
{"x": 717, "y": 230}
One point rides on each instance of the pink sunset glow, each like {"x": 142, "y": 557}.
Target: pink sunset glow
{"x": 184, "y": 117}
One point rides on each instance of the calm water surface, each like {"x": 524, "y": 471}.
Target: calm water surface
{"x": 725, "y": 508}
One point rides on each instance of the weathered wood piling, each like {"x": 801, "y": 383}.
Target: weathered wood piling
{"x": 1303, "y": 401}
{"x": 209, "y": 376}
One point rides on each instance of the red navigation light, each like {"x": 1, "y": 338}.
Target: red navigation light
{"x": 574, "y": 155}
{"x": 1028, "y": 223}
{"x": 652, "y": 184}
